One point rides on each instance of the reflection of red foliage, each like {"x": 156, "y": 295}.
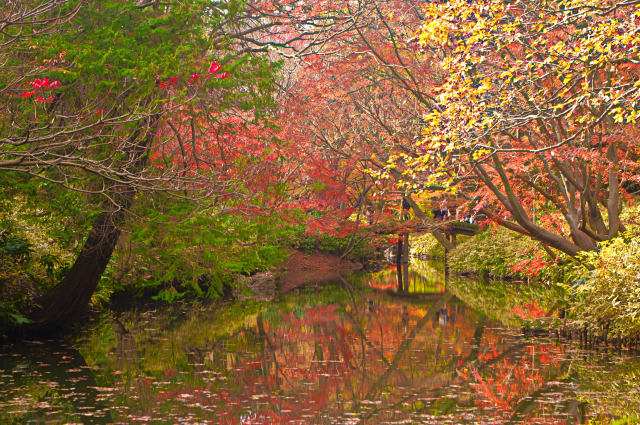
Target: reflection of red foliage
{"x": 385, "y": 287}
{"x": 529, "y": 311}
{"x": 504, "y": 382}
{"x": 291, "y": 368}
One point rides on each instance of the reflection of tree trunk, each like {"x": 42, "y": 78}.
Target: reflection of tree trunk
{"x": 64, "y": 366}
{"x": 573, "y": 408}
{"x": 437, "y": 393}
{"x": 405, "y": 263}
{"x": 266, "y": 351}
{"x": 402, "y": 254}
{"x": 399, "y": 262}
{"x": 446, "y": 267}
{"x": 354, "y": 304}
{"x": 334, "y": 354}
{"x": 63, "y": 304}
{"x": 269, "y": 350}
{"x": 126, "y": 350}
{"x": 402, "y": 349}
{"x": 318, "y": 355}
{"x": 364, "y": 340}
{"x": 477, "y": 337}
{"x": 436, "y": 354}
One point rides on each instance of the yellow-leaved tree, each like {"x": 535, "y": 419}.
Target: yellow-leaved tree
{"x": 536, "y": 117}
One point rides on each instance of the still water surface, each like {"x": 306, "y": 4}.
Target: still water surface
{"x": 349, "y": 353}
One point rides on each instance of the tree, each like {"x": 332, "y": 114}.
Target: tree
{"x": 539, "y": 109}
{"x": 355, "y": 100}
{"x": 91, "y": 85}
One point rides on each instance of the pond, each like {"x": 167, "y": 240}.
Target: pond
{"x": 357, "y": 351}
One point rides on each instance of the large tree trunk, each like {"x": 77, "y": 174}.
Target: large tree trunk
{"x": 69, "y": 299}
{"x": 63, "y": 304}
{"x": 511, "y": 202}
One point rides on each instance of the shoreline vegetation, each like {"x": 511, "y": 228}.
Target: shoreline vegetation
{"x": 596, "y": 292}
{"x": 495, "y": 255}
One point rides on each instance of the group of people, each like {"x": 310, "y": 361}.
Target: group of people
{"x": 444, "y": 213}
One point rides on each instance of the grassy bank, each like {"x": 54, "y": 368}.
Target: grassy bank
{"x": 601, "y": 288}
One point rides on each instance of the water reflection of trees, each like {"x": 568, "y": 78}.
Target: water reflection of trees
{"x": 370, "y": 357}
{"x": 420, "y": 278}
{"x": 44, "y": 381}
{"x": 373, "y": 357}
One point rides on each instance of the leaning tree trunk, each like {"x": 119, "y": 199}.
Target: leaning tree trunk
{"x": 64, "y": 303}
{"x": 68, "y": 300}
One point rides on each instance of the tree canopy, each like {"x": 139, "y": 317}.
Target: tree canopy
{"x": 538, "y": 109}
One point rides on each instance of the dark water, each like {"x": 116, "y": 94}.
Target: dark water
{"x": 337, "y": 354}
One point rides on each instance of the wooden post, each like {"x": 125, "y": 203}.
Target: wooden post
{"x": 399, "y": 250}
{"x": 405, "y": 263}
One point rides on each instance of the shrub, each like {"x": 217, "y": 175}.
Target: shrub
{"x": 425, "y": 245}
{"x": 498, "y": 252}
{"x": 359, "y": 248}
{"x": 610, "y": 295}
{"x": 32, "y": 257}
{"x": 181, "y": 251}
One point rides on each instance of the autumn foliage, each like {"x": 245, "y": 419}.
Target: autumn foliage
{"x": 538, "y": 106}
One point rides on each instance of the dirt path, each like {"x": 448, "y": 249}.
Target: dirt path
{"x": 315, "y": 267}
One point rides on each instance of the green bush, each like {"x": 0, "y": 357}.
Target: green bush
{"x": 502, "y": 253}
{"x": 34, "y": 254}
{"x": 180, "y": 250}
{"x": 609, "y": 296}
{"x": 27, "y": 268}
{"x": 425, "y": 245}
{"x": 494, "y": 252}
{"x": 360, "y": 248}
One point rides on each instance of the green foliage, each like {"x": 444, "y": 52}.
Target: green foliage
{"x": 16, "y": 247}
{"x": 609, "y": 296}
{"x": 603, "y": 285}
{"x": 358, "y": 248}
{"x": 110, "y": 59}
{"x": 425, "y": 245}
{"x": 36, "y": 249}
{"x": 113, "y": 44}
{"x": 627, "y": 420}
{"x": 491, "y": 252}
{"x": 501, "y": 253}
{"x": 183, "y": 250}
